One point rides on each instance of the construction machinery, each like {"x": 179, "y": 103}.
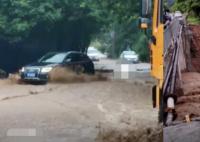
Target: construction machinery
{"x": 154, "y": 18}
{"x": 170, "y": 59}
{"x": 164, "y": 46}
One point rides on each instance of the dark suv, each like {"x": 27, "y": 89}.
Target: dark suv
{"x": 74, "y": 60}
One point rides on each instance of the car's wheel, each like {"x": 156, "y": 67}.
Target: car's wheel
{"x": 79, "y": 69}
{"x": 89, "y": 68}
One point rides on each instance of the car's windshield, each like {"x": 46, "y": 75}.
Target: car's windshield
{"x": 92, "y": 51}
{"x": 54, "y": 58}
{"x": 129, "y": 53}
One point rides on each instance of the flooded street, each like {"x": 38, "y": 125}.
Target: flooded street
{"x": 74, "y": 112}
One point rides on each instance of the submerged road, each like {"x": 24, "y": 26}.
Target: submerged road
{"x": 72, "y": 112}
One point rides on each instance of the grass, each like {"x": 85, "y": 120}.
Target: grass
{"x": 193, "y": 20}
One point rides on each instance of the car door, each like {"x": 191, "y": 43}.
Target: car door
{"x": 73, "y": 62}
{"x": 69, "y": 61}
{"x": 79, "y": 63}
{"x": 87, "y": 64}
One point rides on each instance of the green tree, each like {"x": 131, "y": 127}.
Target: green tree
{"x": 66, "y": 25}
{"x": 189, "y": 7}
{"x": 30, "y": 28}
{"x": 121, "y": 30}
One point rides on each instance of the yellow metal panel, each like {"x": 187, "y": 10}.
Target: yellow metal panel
{"x": 157, "y": 54}
{"x": 157, "y": 49}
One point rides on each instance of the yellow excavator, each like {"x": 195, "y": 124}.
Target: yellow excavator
{"x": 152, "y": 17}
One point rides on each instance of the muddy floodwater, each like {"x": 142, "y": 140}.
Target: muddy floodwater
{"x": 103, "y": 111}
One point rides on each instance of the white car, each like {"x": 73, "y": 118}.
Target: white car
{"x": 178, "y": 14}
{"x": 94, "y": 54}
{"x": 129, "y": 56}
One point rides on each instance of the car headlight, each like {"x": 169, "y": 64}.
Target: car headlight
{"x": 46, "y": 69}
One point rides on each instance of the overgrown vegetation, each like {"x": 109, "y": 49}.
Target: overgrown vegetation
{"x": 122, "y": 29}
{"x": 30, "y": 28}
{"x": 65, "y": 22}
{"x": 191, "y": 8}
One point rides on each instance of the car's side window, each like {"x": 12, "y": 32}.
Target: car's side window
{"x": 76, "y": 57}
{"x": 69, "y": 58}
{"x": 81, "y": 58}
{"x": 72, "y": 57}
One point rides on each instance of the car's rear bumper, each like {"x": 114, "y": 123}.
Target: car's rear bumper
{"x": 130, "y": 60}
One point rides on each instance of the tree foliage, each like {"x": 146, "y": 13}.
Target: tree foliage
{"x": 19, "y": 17}
{"x": 122, "y": 31}
{"x": 189, "y": 7}
{"x": 30, "y": 28}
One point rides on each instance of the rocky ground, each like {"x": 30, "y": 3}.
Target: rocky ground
{"x": 195, "y": 46}
{"x": 189, "y": 100}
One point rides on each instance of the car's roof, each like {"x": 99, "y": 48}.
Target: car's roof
{"x": 68, "y": 52}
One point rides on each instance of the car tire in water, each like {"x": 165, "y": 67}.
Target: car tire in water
{"x": 79, "y": 69}
{"x": 89, "y": 68}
